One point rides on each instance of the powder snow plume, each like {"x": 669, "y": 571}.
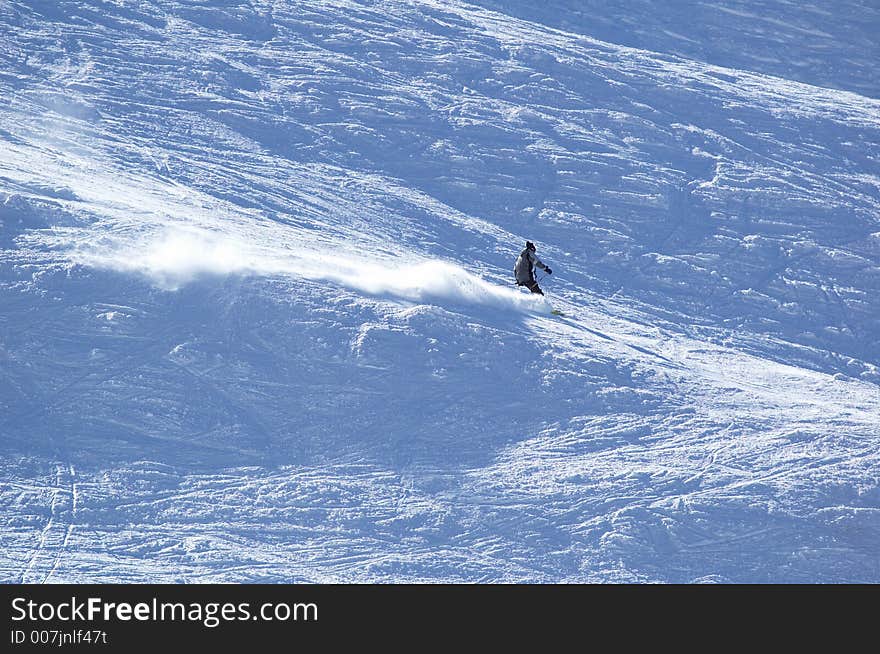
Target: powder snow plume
{"x": 173, "y": 257}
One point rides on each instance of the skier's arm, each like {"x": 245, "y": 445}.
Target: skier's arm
{"x": 538, "y": 262}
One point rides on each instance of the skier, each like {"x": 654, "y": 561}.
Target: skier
{"x": 524, "y": 270}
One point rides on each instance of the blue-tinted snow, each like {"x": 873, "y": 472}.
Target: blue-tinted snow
{"x": 258, "y": 321}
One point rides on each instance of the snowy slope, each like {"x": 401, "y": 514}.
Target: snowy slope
{"x": 257, "y": 321}
{"x": 830, "y": 44}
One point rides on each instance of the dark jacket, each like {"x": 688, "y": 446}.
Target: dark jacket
{"x": 525, "y": 265}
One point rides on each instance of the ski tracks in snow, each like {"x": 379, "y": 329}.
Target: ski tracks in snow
{"x": 55, "y": 537}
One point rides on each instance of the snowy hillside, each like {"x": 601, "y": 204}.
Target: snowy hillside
{"x": 257, "y": 319}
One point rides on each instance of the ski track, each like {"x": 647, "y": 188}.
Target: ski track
{"x": 55, "y": 537}
{"x": 258, "y": 324}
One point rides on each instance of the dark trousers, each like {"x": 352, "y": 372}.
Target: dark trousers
{"x": 532, "y": 285}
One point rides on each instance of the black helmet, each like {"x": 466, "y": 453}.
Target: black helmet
{"x": 530, "y": 246}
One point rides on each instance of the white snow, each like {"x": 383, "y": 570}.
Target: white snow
{"x": 258, "y": 321}
{"x": 175, "y": 257}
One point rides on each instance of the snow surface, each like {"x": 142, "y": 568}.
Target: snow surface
{"x": 257, "y": 320}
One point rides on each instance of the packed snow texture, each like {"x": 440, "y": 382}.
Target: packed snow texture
{"x": 257, "y": 314}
